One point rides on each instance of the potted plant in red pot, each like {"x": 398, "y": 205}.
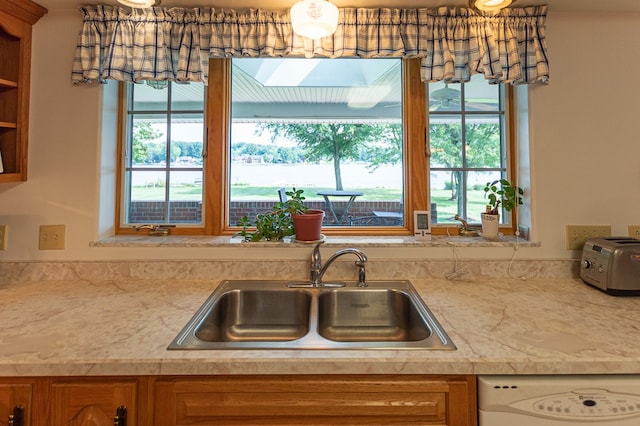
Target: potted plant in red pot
{"x": 508, "y": 195}
{"x": 307, "y": 223}
{"x": 285, "y": 219}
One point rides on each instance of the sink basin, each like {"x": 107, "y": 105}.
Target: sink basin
{"x": 375, "y": 315}
{"x": 256, "y": 315}
{"x": 272, "y": 315}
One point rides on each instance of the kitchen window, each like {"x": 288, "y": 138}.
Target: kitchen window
{"x": 468, "y": 145}
{"x": 332, "y": 127}
{"x": 257, "y": 112}
{"x": 162, "y": 162}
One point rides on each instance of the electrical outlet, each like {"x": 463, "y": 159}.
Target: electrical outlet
{"x": 634, "y": 231}
{"x": 51, "y": 237}
{"x": 3, "y": 237}
{"x": 578, "y": 234}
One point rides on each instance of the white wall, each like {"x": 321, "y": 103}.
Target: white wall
{"x": 586, "y": 157}
{"x": 585, "y": 165}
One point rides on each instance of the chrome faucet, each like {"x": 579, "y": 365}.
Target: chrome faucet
{"x": 318, "y": 270}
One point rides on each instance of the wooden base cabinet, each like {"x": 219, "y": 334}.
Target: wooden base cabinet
{"x": 93, "y": 402}
{"x": 16, "y": 403}
{"x": 315, "y": 400}
{"x": 240, "y": 400}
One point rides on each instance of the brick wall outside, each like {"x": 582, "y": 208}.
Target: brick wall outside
{"x": 153, "y": 212}
{"x": 191, "y": 211}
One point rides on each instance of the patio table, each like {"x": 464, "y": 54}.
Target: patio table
{"x": 351, "y": 195}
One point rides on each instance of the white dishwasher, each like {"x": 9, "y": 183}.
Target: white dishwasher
{"x": 598, "y": 400}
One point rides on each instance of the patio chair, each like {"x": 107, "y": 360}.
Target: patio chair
{"x": 282, "y": 194}
{"x": 379, "y": 218}
{"x": 388, "y": 218}
{"x": 374, "y": 221}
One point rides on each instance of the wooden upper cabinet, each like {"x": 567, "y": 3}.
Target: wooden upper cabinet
{"x": 16, "y": 20}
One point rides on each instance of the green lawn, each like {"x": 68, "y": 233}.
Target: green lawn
{"x": 242, "y": 192}
{"x": 448, "y": 208}
{"x": 270, "y": 193}
{"x": 179, "y": 193}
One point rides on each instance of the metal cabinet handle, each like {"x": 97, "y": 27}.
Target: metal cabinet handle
{"x": 120, "y": 419}
{"x": 15, "y": 418}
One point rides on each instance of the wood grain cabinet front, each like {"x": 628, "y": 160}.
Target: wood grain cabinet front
{"x": 16, "y": 404}
{"x": 93, "y": 402}
{"x": 315, "y": 400}
{"x": 239, "y": 399}
{"x": 16, "y": 20}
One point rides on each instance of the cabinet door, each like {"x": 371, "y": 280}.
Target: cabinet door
{"x": 14, "y": 396}
{"x": 314, "y": 400}
{"x": 93, "y": 402}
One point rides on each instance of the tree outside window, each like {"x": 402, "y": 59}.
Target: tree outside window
{"x": 466, "y": 139}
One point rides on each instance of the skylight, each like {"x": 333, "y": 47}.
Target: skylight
{"x": 303, "y": 72}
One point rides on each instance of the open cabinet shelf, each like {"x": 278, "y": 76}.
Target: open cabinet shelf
{"x": 17, "y": 18}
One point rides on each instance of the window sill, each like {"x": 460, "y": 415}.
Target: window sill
{"x": 363, "y": 241}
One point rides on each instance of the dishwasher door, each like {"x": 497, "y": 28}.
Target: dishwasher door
{"x": 598, "y": 400}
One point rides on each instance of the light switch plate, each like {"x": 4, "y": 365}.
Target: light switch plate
{"x": 51, "y": 237}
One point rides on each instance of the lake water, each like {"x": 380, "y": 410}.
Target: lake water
{"x": 353, "y": 175}
{"x": 287, "y": 175}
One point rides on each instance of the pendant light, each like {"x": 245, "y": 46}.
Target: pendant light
{"x": 489, "y": 5}
{"x": 139, "y": 4}
{"x": 314, "y": 19}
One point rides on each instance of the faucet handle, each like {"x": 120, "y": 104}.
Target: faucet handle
{"x": 315, "y": 265}
{"x": 361, "y": 274}
{"x": 156, "y": 230}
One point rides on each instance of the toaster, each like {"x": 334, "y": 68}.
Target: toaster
{"x": 612, "y": 264}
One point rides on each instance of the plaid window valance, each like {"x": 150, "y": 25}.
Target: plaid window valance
{"x": 175, "y": 44}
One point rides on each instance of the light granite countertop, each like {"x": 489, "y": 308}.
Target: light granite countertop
{"x": 92, "y": 327}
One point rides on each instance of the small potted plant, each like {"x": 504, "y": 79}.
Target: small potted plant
{"x": 507, "y": 195}
{"x": 270, "y": 226}
{"x": 307, "y": 223}
{"x": 285, "y": 219}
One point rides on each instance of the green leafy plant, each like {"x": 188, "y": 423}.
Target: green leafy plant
{"x": 507, "y": 194}
{"x": 277, "y": 223}
{"x": 294, "y": 203}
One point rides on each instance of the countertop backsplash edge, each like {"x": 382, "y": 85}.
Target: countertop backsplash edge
{"x": 460, "y": 270}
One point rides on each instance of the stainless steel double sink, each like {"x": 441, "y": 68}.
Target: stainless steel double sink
{"x": 273, "y": 315}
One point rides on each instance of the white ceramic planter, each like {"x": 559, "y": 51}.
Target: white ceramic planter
{"x": 490, "y": 225}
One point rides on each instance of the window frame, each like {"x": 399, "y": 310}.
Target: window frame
{"x": 414, "y": 149}
{"x": 507, "y": 140}
{"x": 124, "y": 132}
{"x": 216, "y": 157}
